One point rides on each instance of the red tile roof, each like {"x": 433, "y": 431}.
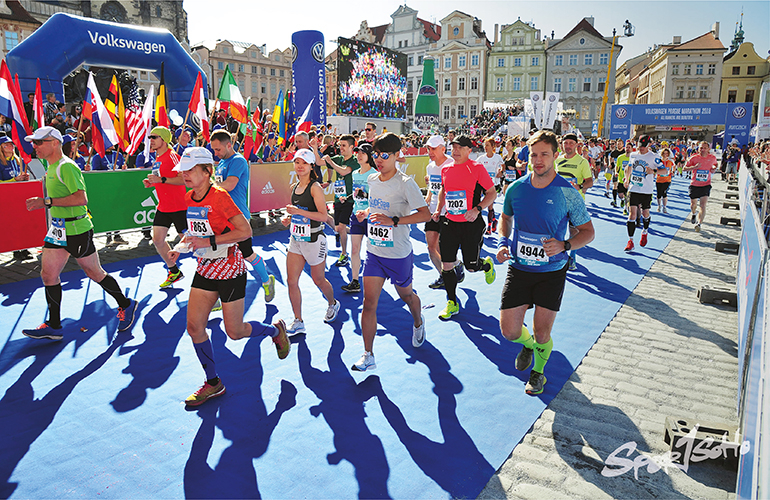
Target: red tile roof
{"x": 431, "y": 31}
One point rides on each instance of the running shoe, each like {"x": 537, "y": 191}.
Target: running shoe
{"x": 342, "y": 261}
{"x": 573, "y": 263}
{"x": 658, "y": 208}
{"x": 281, "y": 341}
{"x": 606, "y": 194}
{"x": 489, "y": 229}
{"x": 439, "y": 283}
{"x": 217, "y": 306}
{"x": 269, "y": 288}
{"x": 697, "y": 227}
{"x": 665, "y": 210}
{"x": 297, "y": 326}
{"x": 630, "y": 245}
{"x": 524, "y": 358}
{"x": 494, "y": 224}
{"x": 331, "y": 312}
{"x": 418, "y": 333}
{"x": 44, "y": 332}
{"x": 450, "y": 310}
{"x": 460, "y": 272}
{"x": 613, "y": 204}
{"x": 692, "y": 219}
{"x": 535, "y": 384}
{"x": 625, "y": 211}
{"x": 118, "y": 239}
{"x": 365, "y": 363}
{"x": 206, "y": 392}
{"x": 490, "y": 275}
{"x": 126, "y": 316}
{"x": 643, "y": 240}
{"x": 352, "y": 287}
{"x": 171, "y": 279}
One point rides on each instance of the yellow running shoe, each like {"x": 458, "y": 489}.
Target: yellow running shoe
{"x": 450, "y": 310}
{"x": 171, "y": 279}
{"x": 206, "y": 392}
{"x": 269, "y": 288}
{"x": 490, "y": 275}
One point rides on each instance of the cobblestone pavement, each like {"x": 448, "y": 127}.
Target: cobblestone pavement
{"x": 663, "y": 354}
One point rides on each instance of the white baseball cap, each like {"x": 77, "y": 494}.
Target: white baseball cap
{"x": 436, "y": 141}
{"x": 44, "y": 133}
{"x": 192, "y": 157}
{"x": 306, "y": 155}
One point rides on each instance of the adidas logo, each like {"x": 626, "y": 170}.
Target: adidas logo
{"x": 150, "y": 201}
{"x": 268, "y": 189}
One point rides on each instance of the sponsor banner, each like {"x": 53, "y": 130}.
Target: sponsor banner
{"x": 620, "y": 122}
{"x": 738, "y": 123}
{"x": 517, "y": 125}
{"x": 536, "y": 98}
{"x": 119, "y": 200}
{"x": 309, "y": 74}
{"x": 550, "y": 109}
{"x": 21, "y": 229}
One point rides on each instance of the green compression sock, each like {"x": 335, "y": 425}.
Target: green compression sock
{"x": 525, "y": 338}
{"x": 542, "y": 353}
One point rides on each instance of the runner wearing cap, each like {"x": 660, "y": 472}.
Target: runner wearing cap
{"x": 393, "y": 196}
{"x": 363, "y": 154}
{"x": 703, "y": 164}
{"x": 640, "y": 181}
{"x": 215, "y": 225}
{"x": 232, "y": 174}
{"x": 535, "y": 236}
{"x": 307, "y": 243}
{"x": 172, "y": 208}
{"x": 438, "y": 160}
{"x": 462, "y": 186}
{"x": 70, "y": 233}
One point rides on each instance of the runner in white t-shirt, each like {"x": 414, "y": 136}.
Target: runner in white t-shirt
{"x": 640, "y": 173}
{"x": 493, "y": 163}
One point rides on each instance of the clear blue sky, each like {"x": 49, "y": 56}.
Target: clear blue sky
{"x": 656, "y": 22}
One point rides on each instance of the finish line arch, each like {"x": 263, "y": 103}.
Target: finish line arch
{"x": 64, "y": 42}
{"x": 736, "y": 118}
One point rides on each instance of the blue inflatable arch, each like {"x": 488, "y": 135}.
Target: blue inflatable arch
{"x": 65, "y": 42}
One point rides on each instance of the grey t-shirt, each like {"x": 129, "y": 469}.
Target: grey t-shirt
{"x": 398, "y": 196}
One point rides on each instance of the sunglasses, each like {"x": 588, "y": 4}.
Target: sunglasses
{"x": 38, "y": 142}
{"x": 384, "y": 156}
{"x": 154, "y": 137}
{"x": 368, "y": 129}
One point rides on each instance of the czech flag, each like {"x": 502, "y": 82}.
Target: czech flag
{"x": 304, "y": 124}
{"x": 12, "y": 106}
{"x": 103, "y": 133}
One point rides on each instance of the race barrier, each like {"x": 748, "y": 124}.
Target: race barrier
{"x": 753, "y": 290}
{"x": 118, "y": 200}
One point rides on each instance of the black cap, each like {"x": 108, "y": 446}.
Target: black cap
{"x": 568, "y": 137}
{"x": 645, "y": 141}
{"x": 463, "y": 140}
{"x": 364, "y": 146}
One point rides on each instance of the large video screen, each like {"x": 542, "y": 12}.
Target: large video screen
{"x": 371, "y": 80}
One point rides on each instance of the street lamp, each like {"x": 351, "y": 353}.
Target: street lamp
{"x": 628, "y": 31}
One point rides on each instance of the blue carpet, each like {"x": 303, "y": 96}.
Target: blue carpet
{"x": 101, "y": 414}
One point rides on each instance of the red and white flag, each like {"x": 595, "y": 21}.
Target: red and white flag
{"x": 304, "y": 124}
{"x": 197, "y": 106}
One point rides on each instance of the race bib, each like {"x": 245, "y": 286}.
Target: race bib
{"x": 300, "y": 228}
{"x": 529, "y": 249}
{"x": 456, "y": 202}
{"x": 339, "y": 189}
{"x": 198, "y": 222}
{"x": 637, "y": 179}
{"x": 379, "y": 235}
{"x": 218, "y": 178}
{"x": 360, "y": 195}
{"x": 56, "y": 233}
{"x": 510, "y": 175}
{"x": 434, "y": 184}
{"x": 156, "y": 168}
{"x": 702, "y": 175}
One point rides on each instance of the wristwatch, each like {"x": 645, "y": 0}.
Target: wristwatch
{"x": 395, "y": 221}
{"x": 478, "y": 207}
{"x": 163, "y": 180}
{"x": 48, "y": 202}
{"x": 567, "y": 246}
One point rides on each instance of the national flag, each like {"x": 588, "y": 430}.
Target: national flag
{"x": 141, "y": 125}
{"x": 291, "y": 119}
{"x": 111, "y": 100}
{"x": 228, "y": 92}
{"x": 12, "y": 106}
{"x": 38, "y": 114}
{"x": 252, "y": 138}
{"x": 198, "y": 106}
{"x": 121, "y": 126}
{"x": 103, "y": 133}
{"x": 304, "y": 122}
{"x": 278, "y": 110}
{"x": 161, "y": 104}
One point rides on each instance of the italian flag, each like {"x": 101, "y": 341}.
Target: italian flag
{"x": 228, "y": 92}
{"x": 38, "y": 119}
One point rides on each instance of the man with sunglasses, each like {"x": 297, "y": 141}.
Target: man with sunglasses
{"x": 172, "y": 208}
{"x": 370, "y": 133}
{"x": 70, "y": 233}
{"x": 344, "y": 165}
{"x": 466, "y": 190}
